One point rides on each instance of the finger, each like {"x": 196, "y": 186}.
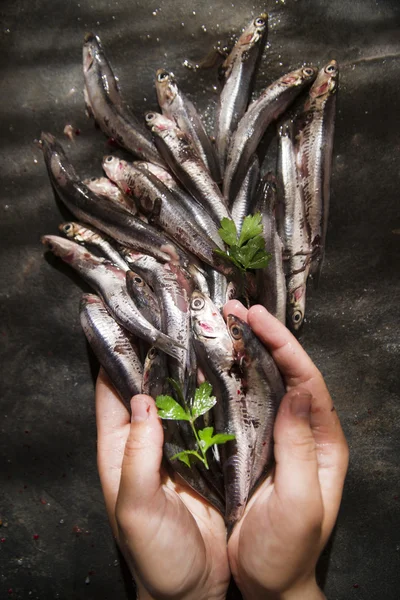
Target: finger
{"x": 234, "y": 307}
{"x": 332, "y": 457}
{"x": 140, "y": 474}
{"x": 113, "y": 424}
{"x": 293, "y": 362}
{"x": 296, "y": 474}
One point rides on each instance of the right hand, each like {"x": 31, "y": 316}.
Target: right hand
{"x": 274, "y": 548}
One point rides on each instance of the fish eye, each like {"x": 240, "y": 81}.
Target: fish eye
{"x": 152, "y": 352}
{"x": 236, "y": 332}
{"x": 259, "y": 22}
{"x": 149, "y": 117}
{"x": 297, "y": 317}
{"x": 197, "y": 303}
{"x": 67, "y": 227}
{"x": 330, "y": 69}
{"x": 93, "y": 179}
{"x": 308, "y": 71}
{"x": 138, "y": 280}
{"x": 109, "y": 159}
{"x": 163, "y": 76}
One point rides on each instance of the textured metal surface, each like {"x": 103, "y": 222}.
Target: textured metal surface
{"x": 48, "y": 480}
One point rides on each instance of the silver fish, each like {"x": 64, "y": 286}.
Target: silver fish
{"x": 263, "y": 387}
{"x": 155, "y": 373}
{"x": 174, "y": 311}
{"x": 273, "y": 102}
{"x": 107, "y": 107}
{"x": 144, "y": 298}
{"x": 102, "y": 186}
{"x": 271, "y": 282}
{"x": 156, "y": 201}
{"x": 109, "y": 282}
{"x": 214, "y": 351}
{"x": 297, "y": 247}
{"x": 178, "y": 108}
{"x": 83, "y": 235}
{"x": 95, "y": 210}
{"x": 315, "y": 128}
{"x": 243, "y": 204}
{"x": 112, "y": 346}
{"x": 238, "y": 72}
{"x": 182, "y": 158}
{"x": 196, "y": 210}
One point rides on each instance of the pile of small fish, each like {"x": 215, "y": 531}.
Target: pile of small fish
{"x": 153, "y": 225}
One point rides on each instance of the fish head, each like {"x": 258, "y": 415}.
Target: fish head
{"x": 135, "y": 284}
{"x": 92, "y": 51}
{"x": 237, "y": 331}
{"x": 206, "y": 319}
{"x": 296, "y": 307}
{"x": 299, "y": 77}
{"x": 254, "y": 32}
{"x": 157, "y": 123}
{"x": 166, "y": 87}
{"x": 65, "y": 249}
{"x": 113, "y": 166}
{"x": 326, "y": 82}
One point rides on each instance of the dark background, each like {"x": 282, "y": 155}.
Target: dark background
{"x": 49, "y": 485}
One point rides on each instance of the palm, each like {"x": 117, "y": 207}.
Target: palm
{"x": 173, "y": 540}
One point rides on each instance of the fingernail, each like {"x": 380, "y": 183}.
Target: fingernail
{"x": 140, "y": 409}
{"x": 300, "y": 403}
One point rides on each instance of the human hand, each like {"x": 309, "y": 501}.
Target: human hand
{"x": 173, "y": 540}
{"x": 274, "y": 548}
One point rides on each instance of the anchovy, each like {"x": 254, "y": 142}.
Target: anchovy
{"x": 174, "y": 311}
{"x": 184, "y": 161}
{"x": 214, "y": 351}
{"x": 86, "y": 206}
{"x": 196, "y": 210}
{"x": 273, "y": 102}
{"x": 238, "y": 72}
{"x": 144, "y": 298}
{"x": 107, "y": 107}
{"x": 102, "y": 186}
{"x": 109, "y": 282}
{"x": 264, "y": 389}
{"x": 156, "y": 201}
{"x": 271, "y": 282}
{"x": 297, "y": 248}
{"x": 178, "y": 108}
{"x": 155, "y": 373}
{"x": 243, "y": 204}
{"x": 315, "y": 129}
{"x": 112, "y": 346}
{"x": 83, "y": 235}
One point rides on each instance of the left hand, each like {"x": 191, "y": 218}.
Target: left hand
{"x": 173, "y": 540}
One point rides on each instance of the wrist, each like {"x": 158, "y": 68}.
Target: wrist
{"x": 302, "y": 591}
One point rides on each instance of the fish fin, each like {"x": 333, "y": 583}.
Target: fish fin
{"x": 168, "y": 345}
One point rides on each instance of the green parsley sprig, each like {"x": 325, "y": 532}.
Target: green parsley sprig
{"x": 168, "y": 408}
{"x": 246, "y": 251}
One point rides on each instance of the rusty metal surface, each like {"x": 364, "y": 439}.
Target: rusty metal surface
{"x": 55, "y": 540}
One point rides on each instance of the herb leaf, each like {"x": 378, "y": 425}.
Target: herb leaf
{"x": 247, "y": 252}
{"x": 251, "y": 228}
{"x": 185, "y": 455}
{"x": 208, "y": 439}
{"x": 203, "y": 401}
{"x": 228, "y": 231}
{"x": 168, "y": 408}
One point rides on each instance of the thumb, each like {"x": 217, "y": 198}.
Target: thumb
{"x": 296, "y": 475}
{"x": 140, "y": 472}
